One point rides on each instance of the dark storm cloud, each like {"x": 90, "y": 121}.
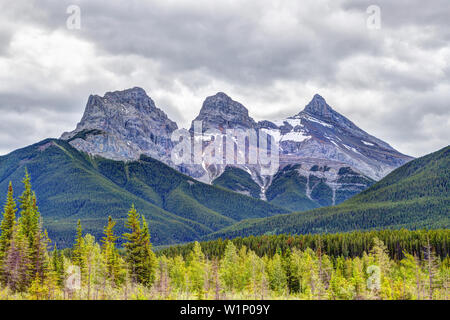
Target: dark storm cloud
{"x": 271, "y": 55}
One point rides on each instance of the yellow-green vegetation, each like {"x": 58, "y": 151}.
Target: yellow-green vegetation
{"x": 348, "y": 266}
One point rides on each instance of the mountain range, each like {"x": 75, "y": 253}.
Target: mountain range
{"x": 72, "y": 185}
{"x": 120, "y": 154}
{"x": 414, "y": 196}
{"x": 324, "y": 157}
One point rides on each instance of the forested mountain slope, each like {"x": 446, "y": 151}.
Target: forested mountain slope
{"x": 72, "y": 185}
{"x": 413, "y": 196}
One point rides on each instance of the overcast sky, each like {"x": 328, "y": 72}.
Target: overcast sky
{"x": 272, "y": 56}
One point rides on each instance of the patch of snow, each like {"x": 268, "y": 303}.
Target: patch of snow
{"x": 334, "y": 143}
{"x": 367, "y": 143}
{"x": 351, "y": 149}
{"x": 309, "y": 118}
{"x": 248, "y": 170}
{"x": 295, "y": 136}
{"x": 294, "y": 122}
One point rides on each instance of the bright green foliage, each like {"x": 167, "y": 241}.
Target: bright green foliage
{"x": 196, "y": 271}
{"x": 277, "y": 274}
{"x": 230, "y": 268}
{"x": 177, "y": 273}
{"x": 94, "y": 269}
{"x": 37, "y": 290}
{"x": 112, "y": 259}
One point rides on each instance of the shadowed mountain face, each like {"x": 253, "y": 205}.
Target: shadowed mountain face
{"x": 123, "y": 125}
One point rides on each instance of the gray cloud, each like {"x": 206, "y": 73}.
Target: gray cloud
{"x": 270, "y": 55}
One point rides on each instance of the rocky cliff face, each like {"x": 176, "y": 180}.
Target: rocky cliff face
{"x": 221, "y": 112}
{"x": 122, "y": 125}
{"x": 319, "y": 132}
{"x": 324, "y": 157}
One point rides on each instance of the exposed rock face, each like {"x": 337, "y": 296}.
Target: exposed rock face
{"x": 318, "y": 137}
{"x": 221, "y": 112}
{"x": 122, "y": 125}
{"x": 320, "y": 132}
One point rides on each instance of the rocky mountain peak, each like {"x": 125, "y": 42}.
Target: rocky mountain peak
{"x": 220, "y": 112}
{"x": 221, "y": 103}
{"x": 123, "y": 125}
{"x": 319, "y": 107}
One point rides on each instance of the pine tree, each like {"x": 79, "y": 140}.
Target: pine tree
{"x": 139, "y": 255}
{"x": 148, "y": 259}
{"x": 110, "y": 254}
{"x": 77, "y": 254}
{"x": 38, "y": 290}
{"x": 7, "y": 225}
{"x": 57, "y": 266}
{"x": 277, "y": 274}
{"x": 29, "y": 217}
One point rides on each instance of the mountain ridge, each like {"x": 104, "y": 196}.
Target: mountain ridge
{"x": 317, "y": 135}
{"x": 414, "y": 196}
{"x": 72, "y": 185}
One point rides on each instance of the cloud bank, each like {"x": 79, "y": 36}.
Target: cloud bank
{"x": 272, "y": 56}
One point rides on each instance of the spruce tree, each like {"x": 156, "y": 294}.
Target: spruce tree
{"x": 29, "y": 217}
{"x": 110, "y": 254}
{"x": 57, "y": 265}
{"x": 77, "y": 253}
{"x": 7, "y": 224}
{"x": 139, "y": 255}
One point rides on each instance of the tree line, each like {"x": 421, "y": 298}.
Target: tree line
{"x": 344, "y": 266}
{"x": 347, "y": 244}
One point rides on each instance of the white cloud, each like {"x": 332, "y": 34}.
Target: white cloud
{"x": 272, "y": 56}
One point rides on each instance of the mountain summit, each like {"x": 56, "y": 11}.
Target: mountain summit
{"x": 220, "y": 112}
{"x": 319, "y": 107}
{"x": 324, "y": 157}
{"x": 122, "y": 125}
